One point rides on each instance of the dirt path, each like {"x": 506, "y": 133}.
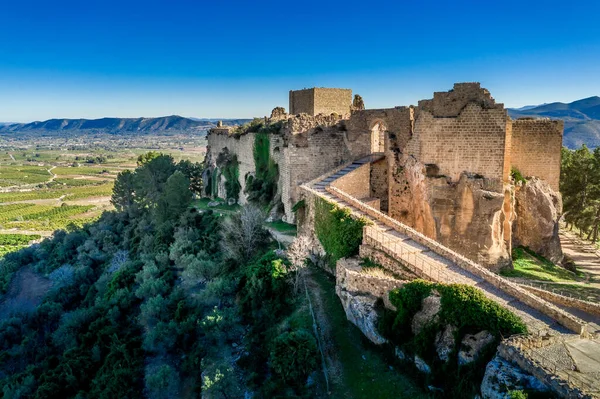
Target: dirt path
{"x": 583, "y": 253}
{"x": 51, "y": 174}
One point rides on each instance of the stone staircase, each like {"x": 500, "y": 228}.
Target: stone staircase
{"x": 402, "y": 244}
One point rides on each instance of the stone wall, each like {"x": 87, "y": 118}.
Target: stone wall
{"x": 473, "y": 141}
{"x": 356, "y": 183}
{"x": 379, "y": 183}
{"x": 320, "y": 100}
{"x": 242, "y": 146}
{"x": 536, "y": 146}
{"x": 354, "y": 278}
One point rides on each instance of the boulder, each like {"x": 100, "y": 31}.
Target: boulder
{"x": 400, "y": 354}
{"x": 421, "y": 365}
{"x": 430, "y": 308}
{"x": 502, "y": 376}
{"x": 231, "y": 201}
{"x": 360, "y": 311}
{"x": 445, "y": 342}
{"x": 472, "y": 345}
{"x": 538, "y": 209}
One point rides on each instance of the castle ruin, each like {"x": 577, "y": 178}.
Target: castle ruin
{"x": 445, "y": 167}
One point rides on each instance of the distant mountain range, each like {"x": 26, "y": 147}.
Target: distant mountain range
{"x": 161, "y": 125}
{"x": 582, "y": 119}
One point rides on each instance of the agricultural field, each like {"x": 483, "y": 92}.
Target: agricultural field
{"x": 51, "y": 183}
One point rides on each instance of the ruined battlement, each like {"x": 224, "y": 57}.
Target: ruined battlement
{"x": 320, "y": 100}
{"x": 447, "y": 104}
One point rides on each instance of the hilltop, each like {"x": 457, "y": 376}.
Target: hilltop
{"x": 117, "y": 126}
{"x": 582, "y": 119}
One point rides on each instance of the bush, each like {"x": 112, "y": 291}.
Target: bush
{"x": 293, "y": 356}
{"x": 339, "y": 233}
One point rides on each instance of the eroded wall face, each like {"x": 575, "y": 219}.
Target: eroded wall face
{"x": 536, "y": 146}
{"x": 243, "y": 147}
{"x": 472, "y": 142}
{"x": 302, "y": 102}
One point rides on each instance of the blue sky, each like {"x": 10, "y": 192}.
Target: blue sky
{"x": 94, "y": 58}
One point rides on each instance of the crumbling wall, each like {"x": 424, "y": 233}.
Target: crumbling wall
{"x": 473, "y": 141}
{"x": 536, "y": 146}
{"x": 242, "y": 146}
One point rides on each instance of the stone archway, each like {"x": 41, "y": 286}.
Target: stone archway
{"x": 378, "y": 129}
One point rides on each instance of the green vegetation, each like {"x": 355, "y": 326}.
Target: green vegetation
{"x": 463, "y": 307}
{"x": 365, "y": 368}
{"x": 151, "y": 297}
{"x": 580, "y": 189}
{"x": 517, "y": 176}
{"x": 228, "y": 166}
{"x": 14, "y": 242}
{"x": 66, "y": 193}
{"x": 283, "y": 227}
{"x": 222, "y": 206}
{"x": 528, "y": 264}
{"x": 11, "y": 175}
{"x": 262, "y": 186}
{"x": 339, "y": 233}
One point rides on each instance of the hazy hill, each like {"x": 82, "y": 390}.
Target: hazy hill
{"x": 161, "y": 125}
{"x": 582, "y": 119}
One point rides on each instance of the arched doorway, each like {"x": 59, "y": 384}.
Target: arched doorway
{"x": 378, "y": 137}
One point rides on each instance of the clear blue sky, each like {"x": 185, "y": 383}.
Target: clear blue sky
{"x": 92, "y": 58}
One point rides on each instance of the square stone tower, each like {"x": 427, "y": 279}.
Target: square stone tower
{"x": 320, "y": 100}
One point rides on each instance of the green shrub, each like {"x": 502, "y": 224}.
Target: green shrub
{"x": 265, "y": 289}
{"x": 293, "y": 356}
{"x": 517, "y": 176}
{"x": 517, "y": 395}
{"x": 339, "y": 233}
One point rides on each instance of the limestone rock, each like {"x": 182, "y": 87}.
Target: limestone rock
{"x": 421, "y": 365}
{"x": 501, "y": 377}
{"x": 278, "y": 113}
{"x": 360, "y": 311}
{"x": 471, "y": 346}
{"x": 231, "y": 201}
{"x": 538, "y": 209}
{"x": 445, "y": 342}
{"x": 430, "y": 308}
{"x": 400, "y": 353}
{"x": 213, "y": 204}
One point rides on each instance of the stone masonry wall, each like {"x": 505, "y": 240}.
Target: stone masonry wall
{"x": 536, "y": 146}
{"x": 307, "y": 156}
{"x": 379, "y": 183}
{"x": 242, "y": 146}
{"x": 356, "y": 183}
{"x": 318, "y": 100}
{"x": 473, "y": 142}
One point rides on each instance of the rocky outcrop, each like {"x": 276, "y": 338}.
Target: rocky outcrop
{"x": 360, "y": 311}
{"x": 469, "y": 215}
{"x": 538, "y": 209}
{"x": 421, "y": 365}
{"x": 501, "y": 377}
{"x": 430, "y": 309}
{"x": 445, "y": 342}
{"x": 472, "y": 345}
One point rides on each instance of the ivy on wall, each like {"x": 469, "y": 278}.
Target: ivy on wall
{"x": 339, "y": 233}
{"x": 231, "y": 173}
{"x": 262, "y": 187}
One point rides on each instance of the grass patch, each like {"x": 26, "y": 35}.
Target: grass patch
{"x": 366, "y": 373}
{"x": 528, "y": 264}
{"x": 578, "y": 291}
{"x": 283, "y": 227}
